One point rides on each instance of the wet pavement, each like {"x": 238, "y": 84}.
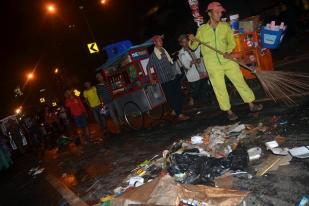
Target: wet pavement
{"x": 20, "y": 188}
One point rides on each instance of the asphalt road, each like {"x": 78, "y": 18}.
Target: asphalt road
{"x": 20, "y": 188}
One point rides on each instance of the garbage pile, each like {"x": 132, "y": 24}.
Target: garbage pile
{"x": 201, "y": 163}
{"x": 196, "y": 161}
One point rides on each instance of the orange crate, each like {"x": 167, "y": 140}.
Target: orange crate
{"x": 252, "y": 53}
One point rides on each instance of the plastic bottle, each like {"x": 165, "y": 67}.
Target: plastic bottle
{"x": 234, "y": 22}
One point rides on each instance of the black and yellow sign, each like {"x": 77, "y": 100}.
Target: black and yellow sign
{"x": 93, "y": 48}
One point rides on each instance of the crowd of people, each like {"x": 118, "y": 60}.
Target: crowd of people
{"x": 100, "y": 101}
{"x": 204, "y": 69}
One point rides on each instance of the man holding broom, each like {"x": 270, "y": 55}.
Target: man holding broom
{"x": 220, "y": 36}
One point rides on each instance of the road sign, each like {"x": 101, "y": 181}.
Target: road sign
{"x": 93, "y": 48}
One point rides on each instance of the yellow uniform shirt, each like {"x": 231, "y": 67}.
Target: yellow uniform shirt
{"x": 220, "y": 38}
{"x": 218, "y": 67}
{"x": 92, "y": 97}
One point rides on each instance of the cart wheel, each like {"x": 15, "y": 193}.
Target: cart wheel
{"x": 133, "y": 115}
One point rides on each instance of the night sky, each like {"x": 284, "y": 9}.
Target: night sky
{"x": 31, "y": 38}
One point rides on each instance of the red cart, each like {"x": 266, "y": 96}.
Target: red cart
{"x": 126, "y": 74}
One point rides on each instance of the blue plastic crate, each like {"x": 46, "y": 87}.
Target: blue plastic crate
{"x": 271, "y": 39}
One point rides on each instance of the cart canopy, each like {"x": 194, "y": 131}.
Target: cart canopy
{"x": 118, "y": 51}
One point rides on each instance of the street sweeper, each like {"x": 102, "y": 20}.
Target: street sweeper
{"x": 219, "y": 35}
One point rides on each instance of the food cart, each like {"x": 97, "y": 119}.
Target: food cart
{"x": 126, "y": 75}
{"x": 249, "y": 48}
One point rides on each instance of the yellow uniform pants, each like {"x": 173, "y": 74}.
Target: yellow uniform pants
{"x": 217, "y": 72}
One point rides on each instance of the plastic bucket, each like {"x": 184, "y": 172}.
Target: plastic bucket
{"x": 271, "y": 39}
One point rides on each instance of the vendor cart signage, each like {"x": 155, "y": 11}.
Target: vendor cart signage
{"x": 93, "y": 48}
{"x": 139, "y": 54}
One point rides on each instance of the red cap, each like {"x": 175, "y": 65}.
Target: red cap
{"x": 215, "y": 6}
{"x": 157, "y": 38}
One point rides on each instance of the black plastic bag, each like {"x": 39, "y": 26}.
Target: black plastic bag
{"x": 239, "y": 158}
{"x": 199, "y": 170}
{"x": 203, "y": 170}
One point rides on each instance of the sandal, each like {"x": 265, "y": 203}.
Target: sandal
{"x": 256, "y": 108}
{"x": 232, "y": 117}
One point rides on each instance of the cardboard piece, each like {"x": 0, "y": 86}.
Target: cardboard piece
{"x": 165, "y": 191}
{"x": 272, "y": 163}
{"x": 224, "y": 181}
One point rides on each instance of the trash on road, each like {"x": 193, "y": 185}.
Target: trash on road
{"x": 136, "y": 181}
{"x": 271, "y": 144}
{"x": 254, "y": 153}
{"x": 272, "y": 163}
{"x": 197, "y": 140}
{"x": 274, "y": 147}
{"x": 198, "y": 160}
{"x": 214, "y": 157}
{"x": 224, "y": 181}
{"x": 105, "y": 201}
{"x": 300, "y": 152}
{"x": 280, "y": 139}
{"x": 166, "y": 191}
{"x": 36, "y": 171}
{"x": 280, "y": 151}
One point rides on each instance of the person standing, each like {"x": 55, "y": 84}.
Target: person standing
{"x": 194, "y": 70}
{"x": 93, "y": 101}
{"x": 78, "y": 112}
{"x": 106, "y": 98}
{"x": 220, "y": 36}
{"x": 161, "y": 64}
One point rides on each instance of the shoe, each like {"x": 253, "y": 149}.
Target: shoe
{"x": 232, "y": 117}
{"x": 182, "y": 117}
{"x": 256, "y": 108}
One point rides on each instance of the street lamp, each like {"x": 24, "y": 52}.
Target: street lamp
{"x": 18, "y": 110}
{"x": 56, "y": 71}
{"x": 51, "y": 8}
{"x": 30, "y": 76}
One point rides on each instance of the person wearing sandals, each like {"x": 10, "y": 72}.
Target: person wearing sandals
{"x": 161, "y": 64}
{"x": 195, "y": 72}
{"x": 220, "y": 35}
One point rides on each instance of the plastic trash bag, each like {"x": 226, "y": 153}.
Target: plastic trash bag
{"x": 203, "y": 170}
{"x": 239, "y": 158}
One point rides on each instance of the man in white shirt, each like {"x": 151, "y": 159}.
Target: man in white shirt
{"x": 194, "y": 70}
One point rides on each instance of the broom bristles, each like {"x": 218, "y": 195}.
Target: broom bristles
{"x": 280, "y": 86}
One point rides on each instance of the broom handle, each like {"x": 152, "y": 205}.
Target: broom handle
{"x": 220, "y": 52}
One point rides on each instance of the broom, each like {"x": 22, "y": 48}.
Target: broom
{"x": 278, "y": 85}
